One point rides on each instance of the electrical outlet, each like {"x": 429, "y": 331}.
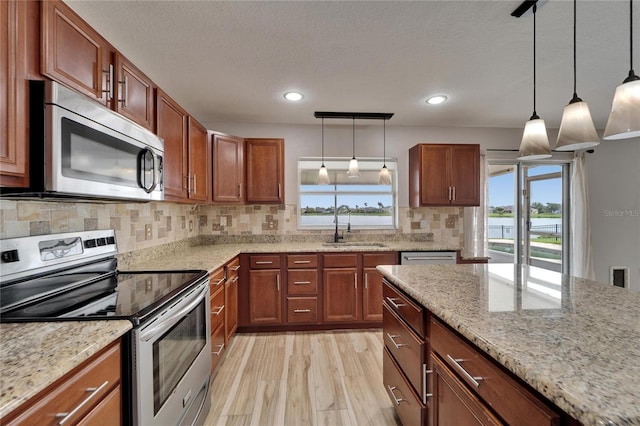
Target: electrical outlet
{"x": 147, "y": 232}
{"x": 190, "y": 225}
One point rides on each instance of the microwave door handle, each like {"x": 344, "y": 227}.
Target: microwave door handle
{"x": 173, "y": 319}
{"x": 143, "y": 157}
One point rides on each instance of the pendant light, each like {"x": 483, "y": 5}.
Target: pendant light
{"x": 535, "y": 142}
{"x": 354, "y": 172}
{"x": 323, "y": 175}
{"x": 384, "y": 177}
{"x": 624, "y": 120}
{"x": 576, "y": 128}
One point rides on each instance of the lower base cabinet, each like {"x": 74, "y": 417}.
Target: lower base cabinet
{"x": 408, "y": 407}
{"x": 217, "y": 346}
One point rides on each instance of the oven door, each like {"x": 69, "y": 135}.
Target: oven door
{"x": 172, "y": 362}
{"x": 94, "y": 152}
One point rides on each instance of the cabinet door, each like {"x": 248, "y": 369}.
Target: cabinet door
{"x": 134, "y": 93}
{"x": 73, "y": 53}
{"x": 14, "y": 91}
{"x": 265, "y": 170}
{"x": 265, "y": 297}
{"x": 198, "y": 184}
{"x": 372, "y": 295}
{"x": 465, "y": 175}
{"x": 227, "y": 169}
{"x": 454, "y": 404}
{"x": 172, "y": 127}
{"x": 434, "y": 175}
{"x": 340, "y": 294}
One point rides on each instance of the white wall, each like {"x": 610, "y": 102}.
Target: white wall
{"x": 614, "y": 197}
{"x": 613, "y": 172}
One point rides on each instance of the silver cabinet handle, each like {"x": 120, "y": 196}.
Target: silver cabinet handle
{"x": 220, "y": 281}
{"x": 239, "y": 193}
{"x": 278, "y": 281}
{"x": 264, "y": 262}
{"x": 70, "y": 414}
{"x": 219, "y": 350}
{"x": 302, "y": 282}
{"x": 125, "y": 92}
{"x": 395, "y": 398}
{"x": 366, "y": 280}
{"x": 355, "y": 280}
{"x": 424, "y": 383}
{"x": 195, "y": 184}
{"x": 301, "y": 311}
{"x": 456, "y": 364}
{"x": 298, "y": 262}
{"x": 454, "y": 193}
{"x": 235, "y": 268}
{"x": 279, "y": 190}
{"x": 109, "y": 90}
{"x": 394, "y": 304}
{"x": 235, "y": 279}
{"x": 449, "y": 194}
{"x": 392, "y": 338}
{"x": 220, "y": 309}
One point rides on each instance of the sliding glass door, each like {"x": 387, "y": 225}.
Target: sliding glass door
{"x": 528, "y": 213}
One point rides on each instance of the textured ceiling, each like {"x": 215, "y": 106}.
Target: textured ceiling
{"x": 233, "y": 61}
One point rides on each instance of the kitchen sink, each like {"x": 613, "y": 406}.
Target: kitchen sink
{"x": 353, "y": 244}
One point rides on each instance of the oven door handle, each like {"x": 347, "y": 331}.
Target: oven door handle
{"x": 174, "y": 317}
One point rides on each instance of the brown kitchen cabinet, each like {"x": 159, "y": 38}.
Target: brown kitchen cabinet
{"x": 372, "y": 286}
{"x": 227, "y": 169}
{"x": 340, "y": 278}
{"x": 264, "y": 171}
{"x": 231, "y": 298}
{"x": 302, "y": 289}
{"x": 198, "y": 176}
{"x": 133, "y": 96}
{"x": 89, "y": 394}
{"x": 19, "y": 39}
{"x": 265, "y": 290}
{"x": 444, "y": 175}
{"x": 218, "y": 309}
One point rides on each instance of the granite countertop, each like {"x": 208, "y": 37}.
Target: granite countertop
{"x": 212, "y": 256}
{"x": 575, "y": 341}
{"x": 34, "y": 355}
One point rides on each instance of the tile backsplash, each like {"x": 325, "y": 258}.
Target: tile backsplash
{"x": 171, "y": 222}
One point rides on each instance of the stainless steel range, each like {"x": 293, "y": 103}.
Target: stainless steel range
{"x": 74, "y": 276}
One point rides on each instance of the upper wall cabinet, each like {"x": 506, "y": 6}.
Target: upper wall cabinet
{"x": 265, "y": 170}
{"x": 199, "y": 177}
{"x": 228, "y": 169}
{"x": 444, "y": 175}
{"x": 75, "y": 54}
{"x": 172, "y": 122}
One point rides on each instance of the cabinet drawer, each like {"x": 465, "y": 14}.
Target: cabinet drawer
{"x": 302, "y": 281}
{"x": 409, "y": 408}
{"x": 217, "y": 346}
{"x": 407, "y": 349}
{"x": 91, "y": 383}
{"x": 302, "y": 261}
{"x": 264, "y": 261}
{"x": 104, "y": 414}
{"x": 371, "y": 260}
{"x": 217, "y": 308}
{"x": 489, "y": 381}
{"x": 216, "y": 279}
{"x": 302, "y": 309}
{"x": 411, "y": 313}
{"x": 340, "y": 260}
{"x": 232, "y": 268}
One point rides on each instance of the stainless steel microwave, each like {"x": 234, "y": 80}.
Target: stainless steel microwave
{"x": 81, "y": 149}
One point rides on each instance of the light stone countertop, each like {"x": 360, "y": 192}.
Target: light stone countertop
{"x": 212, "y": 256}
{"x": 34, "y": 355}
{"x": 575, "y": 341}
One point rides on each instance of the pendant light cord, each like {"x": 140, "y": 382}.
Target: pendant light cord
{"x": 575, "y": 92}
{"x": 384, "y": 143}
{"x": 322, "y": 141}
{"x": 631, "y": 36}
{"x": 535, "y": 115}
{"x": 354, "y": 138}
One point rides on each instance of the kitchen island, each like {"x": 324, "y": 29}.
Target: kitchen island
{"x": 575, "y": 342}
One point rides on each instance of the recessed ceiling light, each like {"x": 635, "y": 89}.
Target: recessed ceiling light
{"x": 293, "y": 96}
{"x": 435, "y": 100}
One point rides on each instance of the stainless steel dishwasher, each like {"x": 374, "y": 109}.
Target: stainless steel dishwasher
{"x": 427, "y": 257}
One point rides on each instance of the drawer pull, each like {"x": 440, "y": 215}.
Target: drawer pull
{"x": 235, "y": 279}
{"x": 393, "y": 395}
{"x": 425, "y": 372}
{"x": 302, "y": 282}
{"x": 220, "y": 281}
{"x": 235, "y": 268}
{"x": 301, "y": 311}
{"x": 392, "y": 337}
{"x": 394, "y": 304}
{"x": 216, "y": 313}
{"x": 219, "y": 350}
{"x": 298, "y": 262}
{"x": 264, "y": 262}
{"x": 465, "y": 373}
{"x": 94, "y": 392}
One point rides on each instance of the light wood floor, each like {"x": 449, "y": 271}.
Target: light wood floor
{"x": 302, "y": 378}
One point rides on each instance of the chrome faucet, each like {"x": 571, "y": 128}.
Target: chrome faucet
{"x": 336, "y": 236}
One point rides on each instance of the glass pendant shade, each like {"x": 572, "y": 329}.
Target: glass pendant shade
{"x": 576, "y": 128}
{"x": 624, "y": 120}
{"x": 353, "y": 171}
{"x": 535, "y": 142}
{"x": 384, "y": 177}
{"x": 323, "y": 176}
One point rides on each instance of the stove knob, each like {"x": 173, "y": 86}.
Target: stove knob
{"x": 90, "y": 243}
{"x": 111, "y": 240}
{"x": 9, "y": 256}
{"x": 101, "y": 241}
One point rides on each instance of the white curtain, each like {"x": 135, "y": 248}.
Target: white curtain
{"x": 581, "y": 251}
{"x": 475, "y": 218}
